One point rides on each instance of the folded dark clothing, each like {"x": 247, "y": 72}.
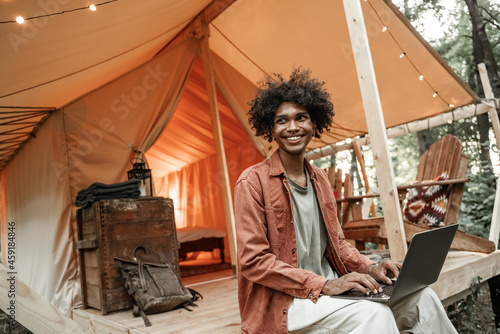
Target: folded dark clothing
{"x": 103, "y": 191}
{"x": 97, "y": 191}
{"x": 102, "y": 186}
{"x": 117, "y": 194}
{"x": 89, "y": 200}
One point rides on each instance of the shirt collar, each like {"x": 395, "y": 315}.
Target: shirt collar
{"x": 278, "y": 169}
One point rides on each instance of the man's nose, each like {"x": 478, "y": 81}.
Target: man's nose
{"x": 292, "y": 125}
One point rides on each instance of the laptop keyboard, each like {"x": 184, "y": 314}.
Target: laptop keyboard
{"x": 385, "y": 294}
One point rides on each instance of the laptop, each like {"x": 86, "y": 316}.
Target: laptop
{"x": 421, "y": 267}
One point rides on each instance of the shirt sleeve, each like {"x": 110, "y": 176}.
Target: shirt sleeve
{"x": 351, "y": 257}
{"x": 256, "y": 261}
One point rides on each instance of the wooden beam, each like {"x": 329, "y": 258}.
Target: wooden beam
{"x": 488, "y": 93}
{"x": 219, "y": 144}
{"x": 30, "y": 309}
{"x": 404, "y": 129}
{"x": 495, "y": 220}
{"x": 376, "y": 128}
{"x": 461, "y": 267}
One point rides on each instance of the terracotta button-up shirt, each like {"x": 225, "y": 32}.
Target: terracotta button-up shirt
{"x": 269, "y": 276}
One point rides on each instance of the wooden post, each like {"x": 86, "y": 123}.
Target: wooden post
{"x": 368, "y": 206}
{"x": 219, "y": 144}
{"x": 488, "y": 93}
{"x": 376, "y": 128}
{"x": 26, "y": 306}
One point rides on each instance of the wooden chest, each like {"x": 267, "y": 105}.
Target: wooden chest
{"x": 114, "y": 228}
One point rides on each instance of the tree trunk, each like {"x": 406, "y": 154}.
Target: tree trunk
{"x": 483, "y": 125}
{"x": 425, "y": 138}
{"x": 483, "y": 53}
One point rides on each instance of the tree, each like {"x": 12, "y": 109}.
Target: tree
{"x": 483, "y": 53}
{"x": 466, "y": 44}
{"x": 471, "y": 27}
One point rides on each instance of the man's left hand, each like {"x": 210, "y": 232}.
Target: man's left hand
{"x": 383, "y": 271}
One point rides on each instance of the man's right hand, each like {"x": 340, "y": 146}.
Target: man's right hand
{"x": 362, "y": 282}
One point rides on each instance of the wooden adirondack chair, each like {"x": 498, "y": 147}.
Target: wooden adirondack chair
{"x": 342, "y": 187}
{"x": 445, "y": 155}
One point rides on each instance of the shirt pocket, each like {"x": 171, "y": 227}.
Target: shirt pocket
{"x": 276, "y": 226}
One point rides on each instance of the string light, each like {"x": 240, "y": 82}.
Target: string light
{"x": 404, "y": 55}
{"x": 92, "y": 7}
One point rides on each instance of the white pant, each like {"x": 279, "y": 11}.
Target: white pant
{"x": 420, "y": 312}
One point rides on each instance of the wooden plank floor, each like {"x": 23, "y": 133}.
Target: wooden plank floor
{"x": 218, "y": 311}
{"x": 459, "y": 270}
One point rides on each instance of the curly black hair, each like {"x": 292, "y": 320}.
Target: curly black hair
{"x": 307, "y": 92}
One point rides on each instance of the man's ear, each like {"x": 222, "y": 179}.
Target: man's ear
{"x": 315, "y": 132}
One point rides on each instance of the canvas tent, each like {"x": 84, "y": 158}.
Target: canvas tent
{"x": 83, "y": 92}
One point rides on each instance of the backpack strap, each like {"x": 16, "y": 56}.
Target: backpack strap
{"x": 142, "y": 278}
{"x": 139, "y": 312}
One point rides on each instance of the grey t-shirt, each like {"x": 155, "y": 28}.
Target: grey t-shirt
{"x": 310, "y": 230}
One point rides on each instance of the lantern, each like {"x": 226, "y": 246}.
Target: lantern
{"x": 140, "y": 172}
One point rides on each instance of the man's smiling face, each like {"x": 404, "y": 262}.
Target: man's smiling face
{"x": 292, "y": 128}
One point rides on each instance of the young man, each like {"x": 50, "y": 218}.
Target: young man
{"x": 292, "y": 255}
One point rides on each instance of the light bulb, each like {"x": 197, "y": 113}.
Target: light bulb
{"x": 451, "y": 105}
{"x": 384, "y": 29}
{"x": 92, "y": 7}
{"x": 435, "y": 94}
{"x": 402, "y": 55}
{"x": 19, "y": 19}
{"x": 421, "y": 77}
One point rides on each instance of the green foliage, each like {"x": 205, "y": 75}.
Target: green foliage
{"x": 468, "y": 314}
{"x": 477, "y": 205}
{"x": 405, "y": 158}
{"x": 456, "y": 48}
{"x": 7, "y": 327}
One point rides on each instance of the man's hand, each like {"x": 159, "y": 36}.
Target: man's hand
{"x": 384, "y": 271}
{"x": 362, "y": 282}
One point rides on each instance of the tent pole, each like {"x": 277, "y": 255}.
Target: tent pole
{"x": 219, "y": 144}
{"x": 488, "y": 93}
{"x": 376, "y": 127}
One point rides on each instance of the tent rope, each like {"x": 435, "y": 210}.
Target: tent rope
{"x": 241, "y": 51}
{"x": 404, "y": 54}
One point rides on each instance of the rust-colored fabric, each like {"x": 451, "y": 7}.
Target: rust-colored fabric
{"x": 269, "y": 274}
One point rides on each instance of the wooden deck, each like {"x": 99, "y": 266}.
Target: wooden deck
{"x": 218, "y": 311}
